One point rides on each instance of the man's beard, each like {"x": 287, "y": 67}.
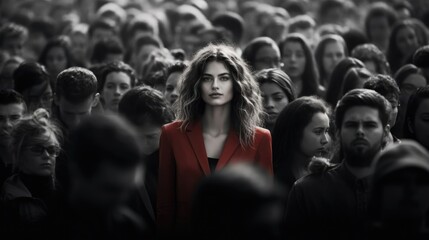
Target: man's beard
{"x": 359, "y": 156}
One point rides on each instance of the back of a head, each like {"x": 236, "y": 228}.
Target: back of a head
{"x": 234, "y": 202}
{"x": 337, "y": 78}
{"x": 105, "y": 47}
{"x": 355, "y": 78}
{"x": 76, "y": 84}
{"x": 230, "y": 21}
{"x": 28, "y": 75}
{"x": 385, "y": 85}
{"x": 102, "y": 140}
{"x": 144, "y": 104}
{"x": 421, "y": 57}
{"x": 12, "y": 31}
{"x": 406, "y": 154}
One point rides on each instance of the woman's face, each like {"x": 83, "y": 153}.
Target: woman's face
{"x": 38, "y": 155}
{"x": 294, "y": 59}
{"x": 39, "y": 96}
{"x": 56, "y": 60}
{"x": 406, "y": 40}
{"x": 267, "y": 57}
{"x": 171, "y": 92}
{"x": 216, "y": 84}
{"x": 274, "y": 101}
{"x": 379, "y": 29}
{"x": 315, "y": 137}
{"x": 408, "y": 87}
{"x": 116, "y": 85}
{"x": 421, "y": 123}
{"x": 334, "y": 52}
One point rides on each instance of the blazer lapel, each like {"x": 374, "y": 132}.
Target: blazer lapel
{"x": 231, "y": 144}
{"x": 195, "y": 137}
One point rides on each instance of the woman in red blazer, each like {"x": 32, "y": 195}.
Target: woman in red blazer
{"x": 218, "y": 114}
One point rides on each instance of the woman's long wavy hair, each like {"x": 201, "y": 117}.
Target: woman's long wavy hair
{"x": 246, "y": 108}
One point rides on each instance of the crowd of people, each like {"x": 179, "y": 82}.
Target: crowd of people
{"x": 214, "y": 119}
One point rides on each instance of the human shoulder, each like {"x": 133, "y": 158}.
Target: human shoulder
{"x": 262, "y": 133}
{"x": 318, "y": 179}
{"x": 173, "y": 126}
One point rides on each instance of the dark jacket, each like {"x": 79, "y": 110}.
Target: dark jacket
{"x": 328, "y": 205}
{"x": 24, "y": 215}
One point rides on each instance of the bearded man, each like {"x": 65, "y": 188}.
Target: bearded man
{"x": 332, "y": 204}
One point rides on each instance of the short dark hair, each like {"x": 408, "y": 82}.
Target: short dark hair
{"x": 177, "y": 66}
{"x": 102, "y": 24}
{"x": 28, "y": 75}
{"x": 105, "y": 47}
{"x": 12, "y": 30}
{"x": 10, "y": 96}
{"x": 362, "y": 97}
{"x": 370, "y": 52}
{"x": 147, "y": 40}
{"x": 116, "y": 66}
{"x": 142, "y": 104}
{"x": 385, "y": 85}
{"x": 76, "y": 84}
{"x": 232, "y": 22}
{"x": 421, "y": 57}
{"x": 101, "y": 139}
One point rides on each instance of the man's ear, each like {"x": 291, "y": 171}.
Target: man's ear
{"x": 96, "y": 100}
{"x": 387, "y": 130}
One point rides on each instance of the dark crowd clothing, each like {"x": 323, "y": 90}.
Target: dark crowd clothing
{"x": 328, "y": 205}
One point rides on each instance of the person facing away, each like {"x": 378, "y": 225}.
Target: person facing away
{"x": 147, "y": 110}
{"x": 31, "y": 199}
{"x": 104, "y": 166}
{"x": 332, "y": 204}
{"x": 218, "y": 118}
{"x": 239, "y": 202}
{"x": 12, "y": 109}
{"x": 399, "y": 207}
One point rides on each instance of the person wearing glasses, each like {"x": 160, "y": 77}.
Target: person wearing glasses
{"x": 31, "y": 196}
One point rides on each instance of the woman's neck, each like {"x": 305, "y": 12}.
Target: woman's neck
{"x": 216, "y": 119}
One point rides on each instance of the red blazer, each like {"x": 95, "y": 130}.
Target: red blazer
{"x": 183, "y": 163}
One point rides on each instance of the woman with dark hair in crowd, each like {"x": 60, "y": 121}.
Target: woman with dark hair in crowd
{"x": 416, "y": 119}
{"x": 262, "y": 53}
{"x": 56, "y": 56}
{"x": 300, "y": 65}
{"x": 329, "y": 51}
{"x": 409, "y": 78}
{"x": 31, "y": 197}
{"x": 378, "y": 24}
{"x": 277, "y": 92}
{"x": 116, "y": 79}
{"x": 218, "y": 116}
{"x": 300, "y": 133}
{"x": 406, "y": 37}
{"x": 333, "y": 92}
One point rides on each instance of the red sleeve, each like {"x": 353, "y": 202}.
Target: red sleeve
{"x": 264, "y": 155}
{"x": 166, "y": 191}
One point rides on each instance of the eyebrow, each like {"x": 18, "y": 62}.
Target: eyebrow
{"x": 222, "y": 74}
